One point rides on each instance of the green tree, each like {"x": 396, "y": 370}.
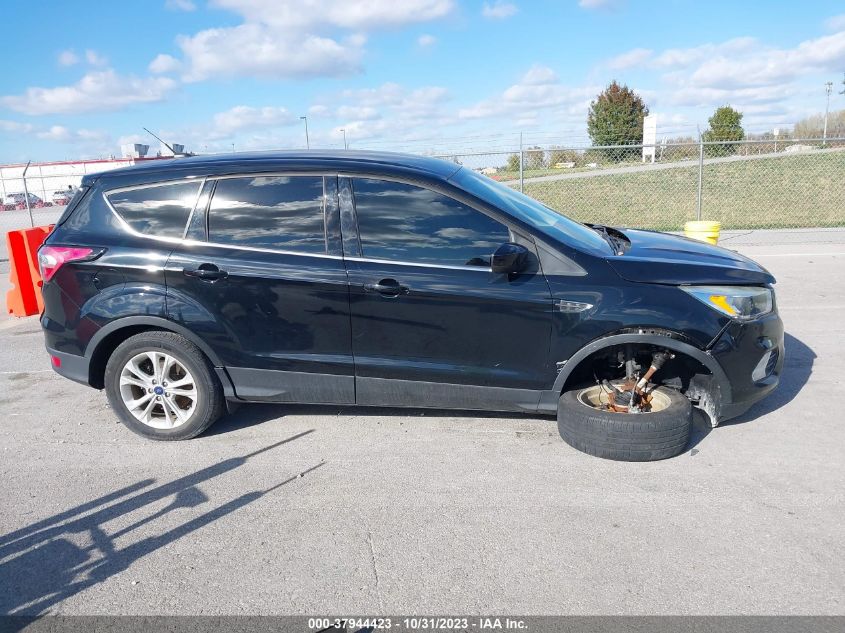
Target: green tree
{"x": 535, "y": 158}
{"x": 513, "y": 162}
{"x": 725, "y": 125}
{"x": 559, "y": 155}
{"x": 616, "y": 118}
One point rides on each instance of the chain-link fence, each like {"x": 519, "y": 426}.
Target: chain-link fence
{"x": 742, "y": 184}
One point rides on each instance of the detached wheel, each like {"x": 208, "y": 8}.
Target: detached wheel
{"x": 632, "y": 437}
{"x": 163, "y": 387}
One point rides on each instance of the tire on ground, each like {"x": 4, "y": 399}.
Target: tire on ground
{"x": 627, "y": 437}
{"x": 210, "y": 401}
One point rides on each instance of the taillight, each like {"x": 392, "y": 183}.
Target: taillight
{"x": 51, "y": 258}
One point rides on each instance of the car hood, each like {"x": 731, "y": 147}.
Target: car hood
{"x": 670, "y": 259}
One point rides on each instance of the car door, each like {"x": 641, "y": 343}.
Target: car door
{"x": 431, "y": 324}
{"x": 261, "y": 279}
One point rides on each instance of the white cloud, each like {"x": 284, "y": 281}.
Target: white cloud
{"x": 678, "y": 58}
{"x": 180, "y": 5}
{"x": 95, "y": 59}
{"x": 539, "y": 75}
{"x": 257, "y": 50}
{"x": 164, "y": 64}
{"x": 538, "y": 89}
{"x": 297, "y": 38}
{"x": 835, "y": 23}
{"x": 426, "y": 41}
{"x": 295, "y": 15}
{"x": 599, "y": 4}
{"x": 68, "y": 58}
{"x": 241, "y": 118}
{"x": 742, "y": 71}
{"x": 96, "y": 91}
{"x": 319, "y": 111}
{"x": 631, "y": 59}
{"x": 767, "y": 67}
{"x": 499, "y": 10}
{"x": 361, "y": 113}
{"x": 15, "y": 127}
{"x": 64, "y": 135}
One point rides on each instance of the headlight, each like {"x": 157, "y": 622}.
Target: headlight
{"x": 738, "y": 302}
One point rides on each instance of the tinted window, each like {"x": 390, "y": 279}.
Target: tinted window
{"x": 279, "y": 212}
{"x": 408, "y": 223}
{"x": 531, "y": 211}
{"x": 157, "y": 210}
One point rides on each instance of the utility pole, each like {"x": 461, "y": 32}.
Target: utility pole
{"x": 307, "y": 142}
{"x": 828, "y": 87}
{"x": 345, "y": 145}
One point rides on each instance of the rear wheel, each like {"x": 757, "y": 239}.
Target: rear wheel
{"x": 664, "y": 431}
{"x": 163, "y": 387}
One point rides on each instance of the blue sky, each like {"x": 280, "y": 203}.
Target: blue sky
{"x": 418, "y": 75}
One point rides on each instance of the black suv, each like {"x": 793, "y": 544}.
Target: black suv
{"x": 391, "y": 280}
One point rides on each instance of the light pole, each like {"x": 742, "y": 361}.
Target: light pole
{"x": 307, "y": 142}
{"x": 345, "y": 146}
{"x": 828, "y": 87}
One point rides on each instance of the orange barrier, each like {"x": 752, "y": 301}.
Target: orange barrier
{"x": 24, "y": 298}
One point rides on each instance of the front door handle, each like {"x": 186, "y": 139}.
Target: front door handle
{"x": 388, "y": 288}
{"x": 205, "y": 272}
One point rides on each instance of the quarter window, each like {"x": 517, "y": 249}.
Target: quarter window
{"x": 276, "y": 212}
{"x": 404, "y": 222}
{"x": 160, "y": 210}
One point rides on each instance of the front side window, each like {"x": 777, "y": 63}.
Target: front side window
{"x": 402, "y": 222}
{"x": 158, "y": 210}
{"x": 275, "y": 212}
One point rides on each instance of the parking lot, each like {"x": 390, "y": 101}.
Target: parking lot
{"x": 303, "y": 509}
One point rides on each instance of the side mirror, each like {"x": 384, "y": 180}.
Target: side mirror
{"x": 509, "y": 258}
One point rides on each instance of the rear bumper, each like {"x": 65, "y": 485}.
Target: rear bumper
{"x": 71, "y": 366}
{"x": 752, "y": 356}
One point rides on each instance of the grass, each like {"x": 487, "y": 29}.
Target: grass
{"x": 800, "y": 190}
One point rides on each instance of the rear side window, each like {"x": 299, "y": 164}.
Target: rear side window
{"x": 159, "y": 210}
{"x": 407, "y": 223}
{"x": 74, "y": 202}
{"x": 275, "y": 212}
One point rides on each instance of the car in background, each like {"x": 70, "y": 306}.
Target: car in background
{"x": 18, "y": 200}
{"x": 62, "y": 197}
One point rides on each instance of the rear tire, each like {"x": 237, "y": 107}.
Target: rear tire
{"x": 630, "y": 437}
{"x": 141, "y": 367}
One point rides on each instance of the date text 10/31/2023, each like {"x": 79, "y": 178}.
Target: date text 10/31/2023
{"x": 417, "y": 623}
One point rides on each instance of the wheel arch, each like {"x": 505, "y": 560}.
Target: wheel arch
{"x": 719, "y": 392}
{"x": 107, "y": 338}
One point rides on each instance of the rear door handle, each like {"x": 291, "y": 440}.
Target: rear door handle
{"x": 388, "y": 288}
{"x": 205, "y": 272}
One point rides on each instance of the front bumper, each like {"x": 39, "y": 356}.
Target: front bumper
{"x": 751, "y": 354}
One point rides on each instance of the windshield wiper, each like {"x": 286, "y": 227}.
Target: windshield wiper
{"x": 614, "y": 242}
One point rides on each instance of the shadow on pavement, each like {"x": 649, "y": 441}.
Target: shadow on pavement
{"x": 43, "y": 564}
{"x": 797, "y": 369}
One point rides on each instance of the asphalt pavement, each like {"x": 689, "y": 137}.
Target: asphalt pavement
{"x": 299, "y": 509}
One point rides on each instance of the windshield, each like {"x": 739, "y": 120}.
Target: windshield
{"x": 532, "y": 212}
